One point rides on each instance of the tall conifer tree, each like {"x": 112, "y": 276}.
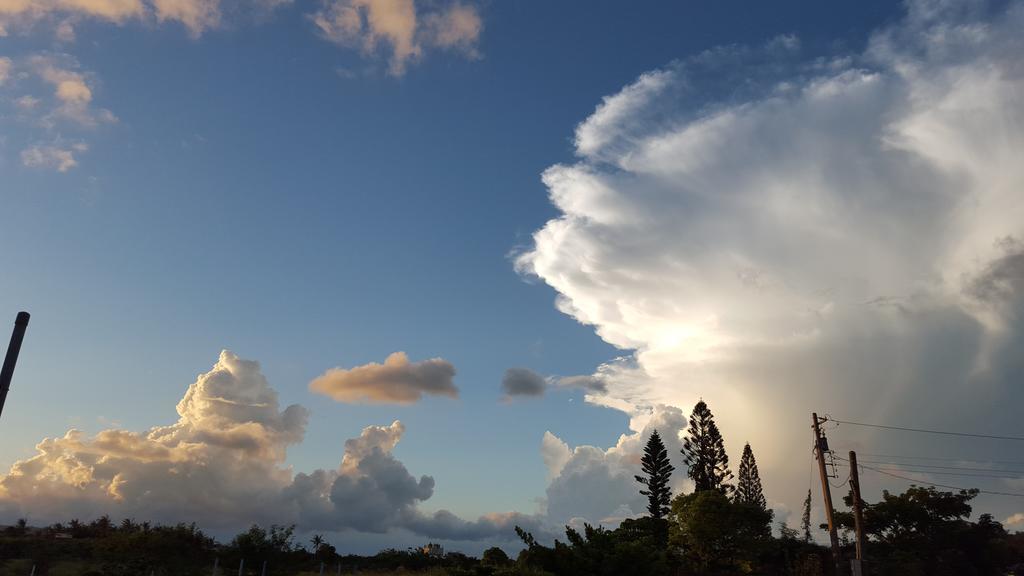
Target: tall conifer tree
{"x": 658, "y": 471}
{"x": 805, "y": 522}
{"x": 748, "y": 483}
{"x": 704, "y": 452}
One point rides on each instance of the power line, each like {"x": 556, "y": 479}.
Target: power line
{"x": 906, "y": 467}
{"x": 944, "y": 459}
{"x": 966, "y": 474}
{"x": 968, "y": 468}
{"x": 922, "y": 430}
{"x": 920, "y": 481}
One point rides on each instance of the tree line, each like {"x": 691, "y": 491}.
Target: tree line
{"x": 723, "y": 527}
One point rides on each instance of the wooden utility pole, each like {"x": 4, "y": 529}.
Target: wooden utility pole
{"x": 858, "y": 513}
{"x": 819, "y": 452}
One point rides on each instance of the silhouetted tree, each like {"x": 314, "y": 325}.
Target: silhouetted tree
{"x": 717, "y": 535}
{"x": 704, "y": 452}
{"x": 495, "y": 557}
{"x": 748, "y": 485}
{"x": 924, "y": 531}
{"x": 805, "y": 521}
{"x": 658, "y": 471}
{"x": 317, "y": 541}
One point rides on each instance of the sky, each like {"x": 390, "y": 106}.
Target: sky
{"x": 409, "y": 270}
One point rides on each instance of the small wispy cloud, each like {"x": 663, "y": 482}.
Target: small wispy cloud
{"x": 71, "y": 91}
{"x": 396, "y": 381}
{"x": 54, "y": 157}
{"x": 406, "y": 32}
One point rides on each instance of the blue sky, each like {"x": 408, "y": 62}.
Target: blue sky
{"x": 299, "y": 202}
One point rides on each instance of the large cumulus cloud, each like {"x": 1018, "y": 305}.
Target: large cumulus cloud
{"x": 595, "y": 485}
{"x": 225, "y": 452}
{"x": 222, "y": 465}
{"x": 372, "y": 491}
{"x": 782, "y": 234}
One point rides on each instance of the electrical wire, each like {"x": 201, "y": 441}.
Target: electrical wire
{"x": 943, "y": 459}
{"x": 922, "y": 430}
{"x": 932, "y": 466}
{"x": 963, "y": 474}
{"x": 920, "y": 481}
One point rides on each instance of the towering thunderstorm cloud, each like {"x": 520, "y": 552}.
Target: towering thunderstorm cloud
{"x": 781, "y": 234}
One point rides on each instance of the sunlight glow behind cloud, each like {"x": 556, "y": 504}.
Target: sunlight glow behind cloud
{"x": 746, "y": 246}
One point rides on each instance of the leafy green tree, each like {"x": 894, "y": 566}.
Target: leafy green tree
{"x": 805, "y": 520}
{"x": 716, "y": 534}
{"x": 658, "y": 472}
{"x": 927, "y": 531}
{"x": 704, "y": 452}
{"x": 748, "y": 484}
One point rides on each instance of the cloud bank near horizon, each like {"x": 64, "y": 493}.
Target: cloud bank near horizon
{"x": 835, "y": 234}
{"x": 226, "y": 452}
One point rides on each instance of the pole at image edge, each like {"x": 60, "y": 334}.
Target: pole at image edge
{"x": 13, "y": 349}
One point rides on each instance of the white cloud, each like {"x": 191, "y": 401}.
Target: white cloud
{"x": 71, "y": 92}
{"x": 841, "y": 236}
{"x": 1015, "y": 519}
{"x": 54, "y": 157}
{"x": 598, "y": 486}
{"x": 373, "y": 492}
{"x": 26, "y": 13}
{"x": 457, "y": 26}
{"x": 196, "y": 15}
{"x": 5, "y": 69}
{"x": 26, "y": 102}
{"x": 406, "y": 31}
{"x": 555, "y": 452}
{"x": 396, "y": 381}
{"x": 57, "y": 109}
{"x": 226, "y": 451}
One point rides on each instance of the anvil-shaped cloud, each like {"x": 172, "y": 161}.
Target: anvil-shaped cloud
{"x": 781, "y": 234}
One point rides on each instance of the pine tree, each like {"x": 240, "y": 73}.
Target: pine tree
{"x": 805, "y": 522}
{"x": 748, "y": 484}
{"x": 658, "y": 471}
{"x": 704, "y": 452}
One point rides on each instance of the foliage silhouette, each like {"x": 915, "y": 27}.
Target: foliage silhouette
{"x": 657, "y": 473}
{"x": 704, "y": 452}
{"x": 748, "y": 483}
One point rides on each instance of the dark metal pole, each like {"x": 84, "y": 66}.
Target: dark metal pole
{"x": 20, "y": 324}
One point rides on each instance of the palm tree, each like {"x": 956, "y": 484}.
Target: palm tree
{"x": 317, "y": 541}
